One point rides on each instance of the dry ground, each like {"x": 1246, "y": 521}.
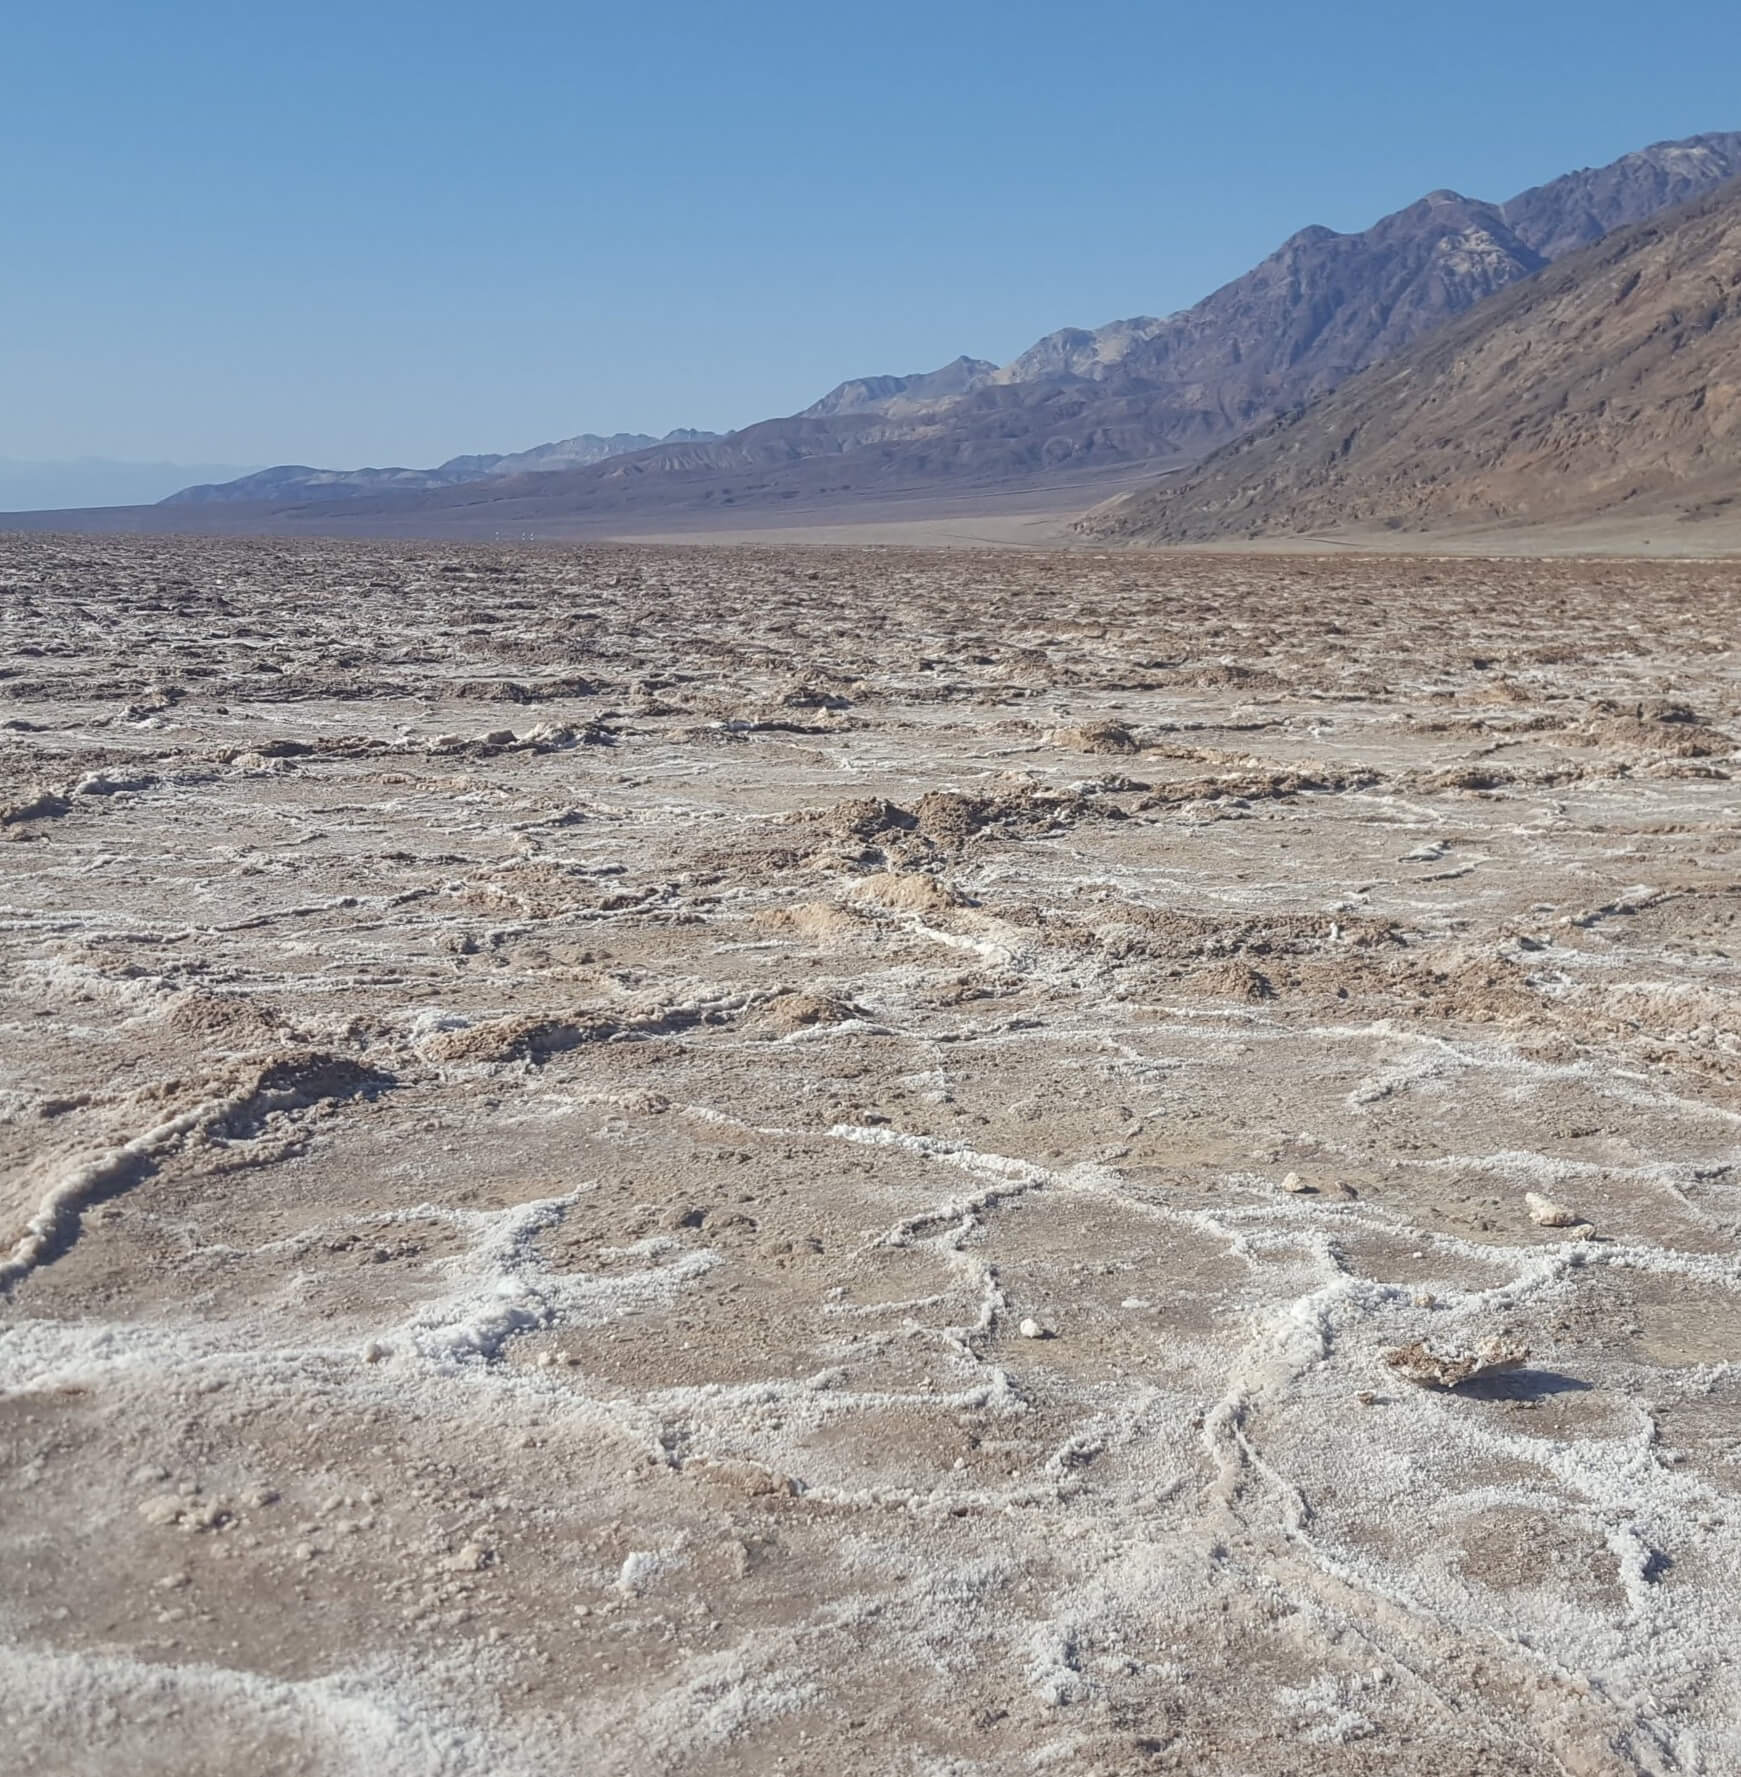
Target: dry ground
{"x": 538, "y": 1090}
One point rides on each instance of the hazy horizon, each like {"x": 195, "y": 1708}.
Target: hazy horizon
{"x": 72, "y": 483}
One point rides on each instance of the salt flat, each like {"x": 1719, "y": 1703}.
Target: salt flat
{"x": 650, "y": 1159}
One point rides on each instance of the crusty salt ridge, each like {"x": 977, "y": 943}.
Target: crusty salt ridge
{"x": 539, "y": 1092}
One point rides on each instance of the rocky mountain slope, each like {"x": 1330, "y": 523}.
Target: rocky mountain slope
{"x": 1325, "y": 305}
{"x": 895, "y": 394}
{"x": 296, "y": 481}
{"x": 1609, "y": 383}
{"x": 1558, "y": 218}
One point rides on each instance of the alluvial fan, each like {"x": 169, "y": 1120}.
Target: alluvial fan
{"x": 866, "y": 1161}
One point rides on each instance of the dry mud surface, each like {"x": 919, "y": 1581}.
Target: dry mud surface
{"x": 540, "y": 1090}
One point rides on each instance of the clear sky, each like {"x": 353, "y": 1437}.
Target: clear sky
{"x": 380, "y": 232}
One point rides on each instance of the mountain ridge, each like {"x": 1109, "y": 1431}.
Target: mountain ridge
{"x": 1321, "y": 308}
{"x": 288, "y": 480}
{"x": 1162, "y": 391}
{"x": 1605, "y": 386}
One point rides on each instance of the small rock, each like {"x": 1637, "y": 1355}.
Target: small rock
{"x": 1031, "y": 1329}
{"x": 752, "y": 1479}
{"x": 1545, "y": 1213}
{"x": 1292, "y": 1182}
{"x": 149, "y": 1473}
{"x": 1421, "y": 1364}
{"x": 640, "y": 1567}
{"x": 204, "y": 1514}
{"x": 162, "y": 1509}
{"x": 375, "y": 1350}
{"x": 468, "y": 1558}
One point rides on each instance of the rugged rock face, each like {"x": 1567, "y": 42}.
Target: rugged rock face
{"x": 1606, "y": 384}
{"x": 1558, "y": 218}
{"x": 886, "y": 394}
{"x": 1322, "y": 307}
{"x": 1325, "y": 306}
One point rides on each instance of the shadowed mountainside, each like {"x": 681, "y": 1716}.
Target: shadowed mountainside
{"x": 1606, "y": 384}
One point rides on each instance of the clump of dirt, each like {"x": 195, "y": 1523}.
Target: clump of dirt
{"x": 34, "y": 805}
{"x": 1663, "y": 729}
{"x": 944, "y": 822}
{"x": 863, "y": 818}
{"x": 1096, "y": 737}
{"x": 809, "y": 695}
{"x": 795, "y": 1010}
{"x": 910, "y": 892}
{"x": 514, "y": 1039}
{"x": 1260, "y": 785}
{"x": 1165, "y": 934}
{"x": 820, "y": 921}
{"x": 523, "y": 690}
{"x": 1232, "y": 981}
{"x": 1421, "y": 1364}
{"x": 232, "y": 1017}
{"x": 533, "y": 891}
{"x": 1231, "y": 676}
{"x": 1466, "y": 777}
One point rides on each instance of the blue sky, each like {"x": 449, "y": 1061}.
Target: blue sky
{"x": 380, "y": 232}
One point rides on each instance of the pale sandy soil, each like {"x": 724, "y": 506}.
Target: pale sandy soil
{"x": 1662, "y": 538}
{"x": 976, "y": 526}
{"x": 538, "y": 1090}
{"x": 968, "y": 529}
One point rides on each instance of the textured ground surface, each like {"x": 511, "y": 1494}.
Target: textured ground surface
{"x": 537, "y": 1092}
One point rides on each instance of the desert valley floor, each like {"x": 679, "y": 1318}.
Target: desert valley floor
{"x": 657, "y": 1160}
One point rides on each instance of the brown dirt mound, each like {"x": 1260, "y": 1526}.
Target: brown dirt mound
{"x": 515, "y": 1039}
{"x": 796, "y": 1010}
{"x": 1096, "y": 737}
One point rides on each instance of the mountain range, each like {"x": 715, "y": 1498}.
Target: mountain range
{"x": 1610, "y": 384}
{"x": 296, "y": 481}
{"x": 1083, "y": 410}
